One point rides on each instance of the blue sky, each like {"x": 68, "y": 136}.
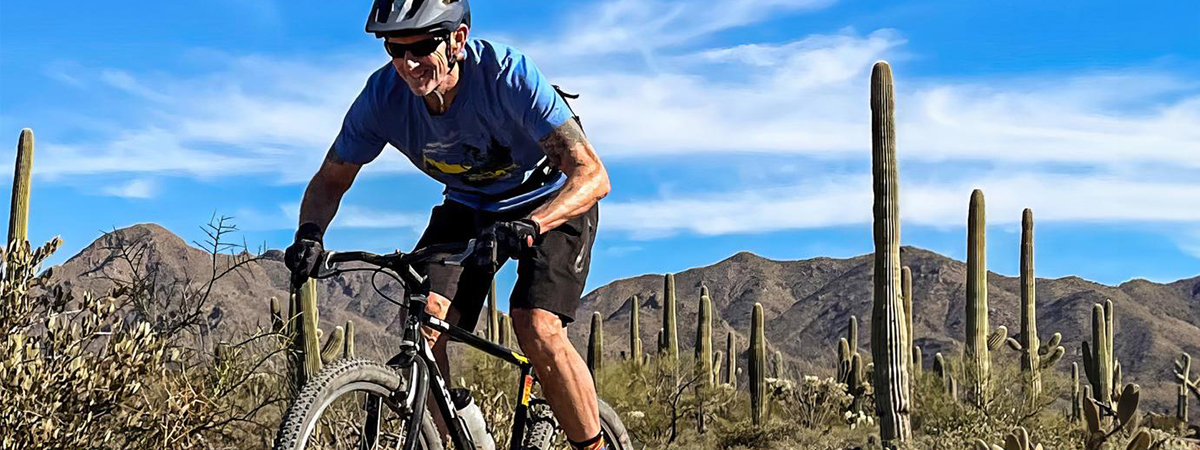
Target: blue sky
{"x": 725, "y": 125}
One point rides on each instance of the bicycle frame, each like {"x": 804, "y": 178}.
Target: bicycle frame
{"x": 415, "y": 350}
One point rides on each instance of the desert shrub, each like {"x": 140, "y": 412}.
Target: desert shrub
{"x": 811, "y": 402}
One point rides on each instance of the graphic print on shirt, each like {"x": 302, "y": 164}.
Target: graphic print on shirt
{"x": 472, "y": 165}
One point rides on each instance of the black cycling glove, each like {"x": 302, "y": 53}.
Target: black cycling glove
{"x": 302, "y": 258}
{"x": 511, "y": 238}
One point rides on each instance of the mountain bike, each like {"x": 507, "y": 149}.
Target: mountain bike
{"x": 343, "y": 405}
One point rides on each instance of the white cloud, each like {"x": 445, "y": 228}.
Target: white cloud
{"x": 847, "y": 200}
{"x": 138, "y": 188}
{"x": 252, "y": 115}
{"x": 629, "y": 26}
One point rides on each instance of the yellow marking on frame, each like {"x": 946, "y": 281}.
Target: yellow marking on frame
{"x": 520, "y": 358}
{"x": 527, "y": 390}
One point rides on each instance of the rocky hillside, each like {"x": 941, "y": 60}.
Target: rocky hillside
{"x": 807, "y": 303}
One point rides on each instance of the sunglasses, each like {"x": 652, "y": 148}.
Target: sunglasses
{"x": 418, "y": 49}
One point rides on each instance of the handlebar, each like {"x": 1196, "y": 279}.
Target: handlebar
{"x": 458, "y": 255}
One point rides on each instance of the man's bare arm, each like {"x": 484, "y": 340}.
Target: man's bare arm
{"x": 587, "y": 180}
{"x": 325, "y": 190}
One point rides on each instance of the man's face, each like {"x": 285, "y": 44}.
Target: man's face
{"x": 424, "y": 73}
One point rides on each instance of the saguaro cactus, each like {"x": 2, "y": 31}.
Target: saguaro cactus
{"x": 731, "y": 362}
{"x": 670, "y": 330}
{"x": 1183, "y": 369}
{"x": 493, "y": 317}
{"x": 1027, "y": 342}
{"x": 1075, "y": 398}
{"x": 1097, "y": 359}
{"x": 635, "y": 331}
{"x": 703, "y": 346}
{"x": 758, "y": 366}
{"x": 307, "y": 341}
{"x": 906, "y": 294}
{"x": 348, "y": 351}
{"x": 917, "y": 359}
{"x": 595, "y": 360}
{"x": 888, "y": 331}
{"x": 506, "y": 334}
{"x": 979, "y": 344}
{"x": 18, "y": 218}
{"x": 852, "y": 334}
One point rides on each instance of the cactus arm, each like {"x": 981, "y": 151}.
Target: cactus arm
{"x": 1014, "y": 345}
{"x": 1051, "y": 344}
{"x": 997, "y": 338}
{"x": 1053, "y": 358}
{"x": 334, "y": 345}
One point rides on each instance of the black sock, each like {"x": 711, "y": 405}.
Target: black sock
{"x": 595, "y": 443}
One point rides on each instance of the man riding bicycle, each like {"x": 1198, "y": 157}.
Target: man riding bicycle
{"x": 479, "y": 117}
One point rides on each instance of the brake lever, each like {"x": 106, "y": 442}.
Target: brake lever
{"x": 457, "y": 260}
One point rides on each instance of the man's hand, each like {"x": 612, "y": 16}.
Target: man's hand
{"x": 511, "y": 238}
{"x": 302, "y": 257}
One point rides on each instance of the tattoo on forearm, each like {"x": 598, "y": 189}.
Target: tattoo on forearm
{"x": 563, "y": 143}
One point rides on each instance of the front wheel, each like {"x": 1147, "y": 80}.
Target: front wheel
{"x": 334, "y": 408}
{"x": 614, "y": 430}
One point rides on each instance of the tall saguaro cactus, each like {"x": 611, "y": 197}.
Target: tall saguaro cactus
{"x": 704, "y": 339}
{"x": 979, "y": 344}
{"x": 731, "y": 360}
{"x": 1075, "y": 399}
{"x": 1098, "y": 362}
{"x": 888, "y": 331}
{"x": 758, "y": 366}
{"x": 1027, "y": 342}
{"x": 493, "y": 317}
{"x": 595, "y": 358}
{"x": 670, "y": 329}
{"x": 635, "y": 331}
{"x": 18, "y": 218}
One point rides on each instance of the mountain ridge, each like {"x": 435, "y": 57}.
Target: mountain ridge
{"x": 807, "y": 303}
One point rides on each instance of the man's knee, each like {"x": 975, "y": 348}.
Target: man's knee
{"x": 537, "y": 329}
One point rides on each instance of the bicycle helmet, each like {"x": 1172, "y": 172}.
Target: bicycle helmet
{"x": 411, "y": 17}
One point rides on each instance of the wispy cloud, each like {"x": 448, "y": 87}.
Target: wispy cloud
{"x": 138, "y": 188}
{"x": 251, "y": 115}
{"x": 847, "y": 201}
{"x": 630, "y": 26}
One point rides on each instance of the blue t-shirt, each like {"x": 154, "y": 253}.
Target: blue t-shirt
{"x": 485, "y": 145}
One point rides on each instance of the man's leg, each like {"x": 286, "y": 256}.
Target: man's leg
{"x": 439, "y": 307}
{"x": 563, "y": 374}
